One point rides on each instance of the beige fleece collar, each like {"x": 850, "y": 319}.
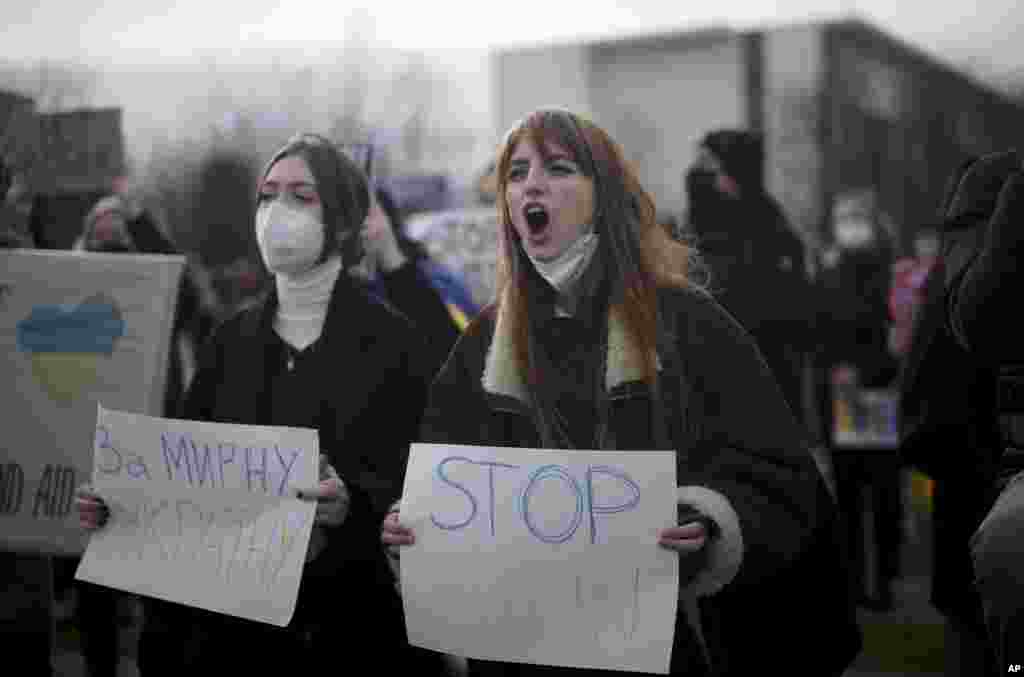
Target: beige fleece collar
{"x": 502, "y": 377}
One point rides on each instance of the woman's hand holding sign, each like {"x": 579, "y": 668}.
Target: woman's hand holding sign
{"x": 332, "y": 504}
{"x": 93, "y": 512}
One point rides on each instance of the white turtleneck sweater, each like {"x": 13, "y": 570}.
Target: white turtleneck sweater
{"x": 303, "y": 301}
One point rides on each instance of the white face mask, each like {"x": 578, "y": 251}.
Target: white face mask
{"x": 854, "y": 234}
{"x": 290, "y": 240}
{"x": 565, "y": 269}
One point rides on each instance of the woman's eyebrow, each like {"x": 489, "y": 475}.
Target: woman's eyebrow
{"x": 290, "y": 184}
{"x": 558, "y": 157}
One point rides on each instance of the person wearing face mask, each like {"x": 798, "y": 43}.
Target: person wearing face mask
{"x": 757, "y": 269}
{"x": 853, "y": 323}
{"x": 599, "y": 339}
{"x": 756, "y": 261}
{"x": 316, "y": 352}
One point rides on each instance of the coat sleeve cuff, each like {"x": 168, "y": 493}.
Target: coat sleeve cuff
{"x": 725, "y": 554}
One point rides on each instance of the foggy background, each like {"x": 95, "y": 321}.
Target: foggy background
{"x": 181, "y": 72}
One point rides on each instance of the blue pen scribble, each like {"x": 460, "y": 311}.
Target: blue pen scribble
{"x": 92, "y": 327}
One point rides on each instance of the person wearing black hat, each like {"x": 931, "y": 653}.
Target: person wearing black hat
{"x": 756, "y": 260}
{"x": 963, "y": 409}
{"x": 758, "y": 270}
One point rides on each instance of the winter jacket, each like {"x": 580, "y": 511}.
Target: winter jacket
{"x": 362, "y": 386}
{"x": 411, "y": 291}
{"x": 758, "y": 272}
{"x": 741, "y": 458}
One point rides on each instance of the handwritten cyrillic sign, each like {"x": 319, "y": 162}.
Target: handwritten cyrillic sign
{"x": 203, "y": 514}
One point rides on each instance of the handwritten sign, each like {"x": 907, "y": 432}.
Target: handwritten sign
{"x": 203, "y": 514}
{"x": 75, "y": 329}
{"x": 541, "y": 556}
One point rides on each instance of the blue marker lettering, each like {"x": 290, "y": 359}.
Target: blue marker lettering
{"x": 554, "y": 472}
{"x": 472, "y": 499}
{"x": 608, "y": 509}
{"x": 287, "y": 468}
{"x": 104, "y": 442}
{"x": 491, "y": 465}
{"x": 221, "y": 457}
{"x": 170, "y": 458}
{"x": 136, "y": 467}
{"x": 202, "y": 470}
{"x": 260, "y": 471}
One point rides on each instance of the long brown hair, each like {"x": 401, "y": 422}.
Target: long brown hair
{"x": 637, "y": 253}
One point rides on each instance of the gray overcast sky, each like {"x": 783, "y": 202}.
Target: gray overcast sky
{"x": 133, "y": 35}
{"x": 147, "y": 31}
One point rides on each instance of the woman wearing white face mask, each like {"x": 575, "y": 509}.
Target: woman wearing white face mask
{"x": 853, "y": 324}
{"x": 317, "y": 352}
{"x": 600, "y": 341}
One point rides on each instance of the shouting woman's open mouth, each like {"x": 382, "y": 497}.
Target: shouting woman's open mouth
{"x": 537, "y": 220}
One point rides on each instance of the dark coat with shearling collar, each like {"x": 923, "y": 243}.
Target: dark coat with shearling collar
{"x": 741, "y": 459}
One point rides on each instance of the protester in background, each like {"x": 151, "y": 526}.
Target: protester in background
{"x": 318, "y": 352}
{"x": 600, "y": 341}
{"x": 906, "y": 296}
{"x": 449, "y": 283}
{"x": 854, "y": 356}
{"x": 944, "y": 434}
{"x": 400, "y": 271}
{"x": 26, "y": 579}
{"x": 755, "y": 259}
{"x": 962, "y": 401}
{"x": 114, "y": 225}
{"x": 755, "y": 264}
{"x": 15, "y": 210}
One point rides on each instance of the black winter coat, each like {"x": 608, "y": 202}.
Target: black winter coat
{"x": 410, "y": 291}
{"x": 758, "y": 272}
{"x": 853, "y": 316}
{"x": 950, "y": 406}
{"x": 723, "y": 413}
{"x": 362, "y": 386}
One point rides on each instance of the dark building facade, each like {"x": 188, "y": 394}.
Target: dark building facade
{"x": 845, "y": 109}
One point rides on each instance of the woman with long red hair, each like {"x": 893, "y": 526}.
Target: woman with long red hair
{"x": 600, "y": 338}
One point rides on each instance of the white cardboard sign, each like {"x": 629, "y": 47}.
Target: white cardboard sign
{"x": 541, "y": 556}
{"x": 203, "y": 514}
